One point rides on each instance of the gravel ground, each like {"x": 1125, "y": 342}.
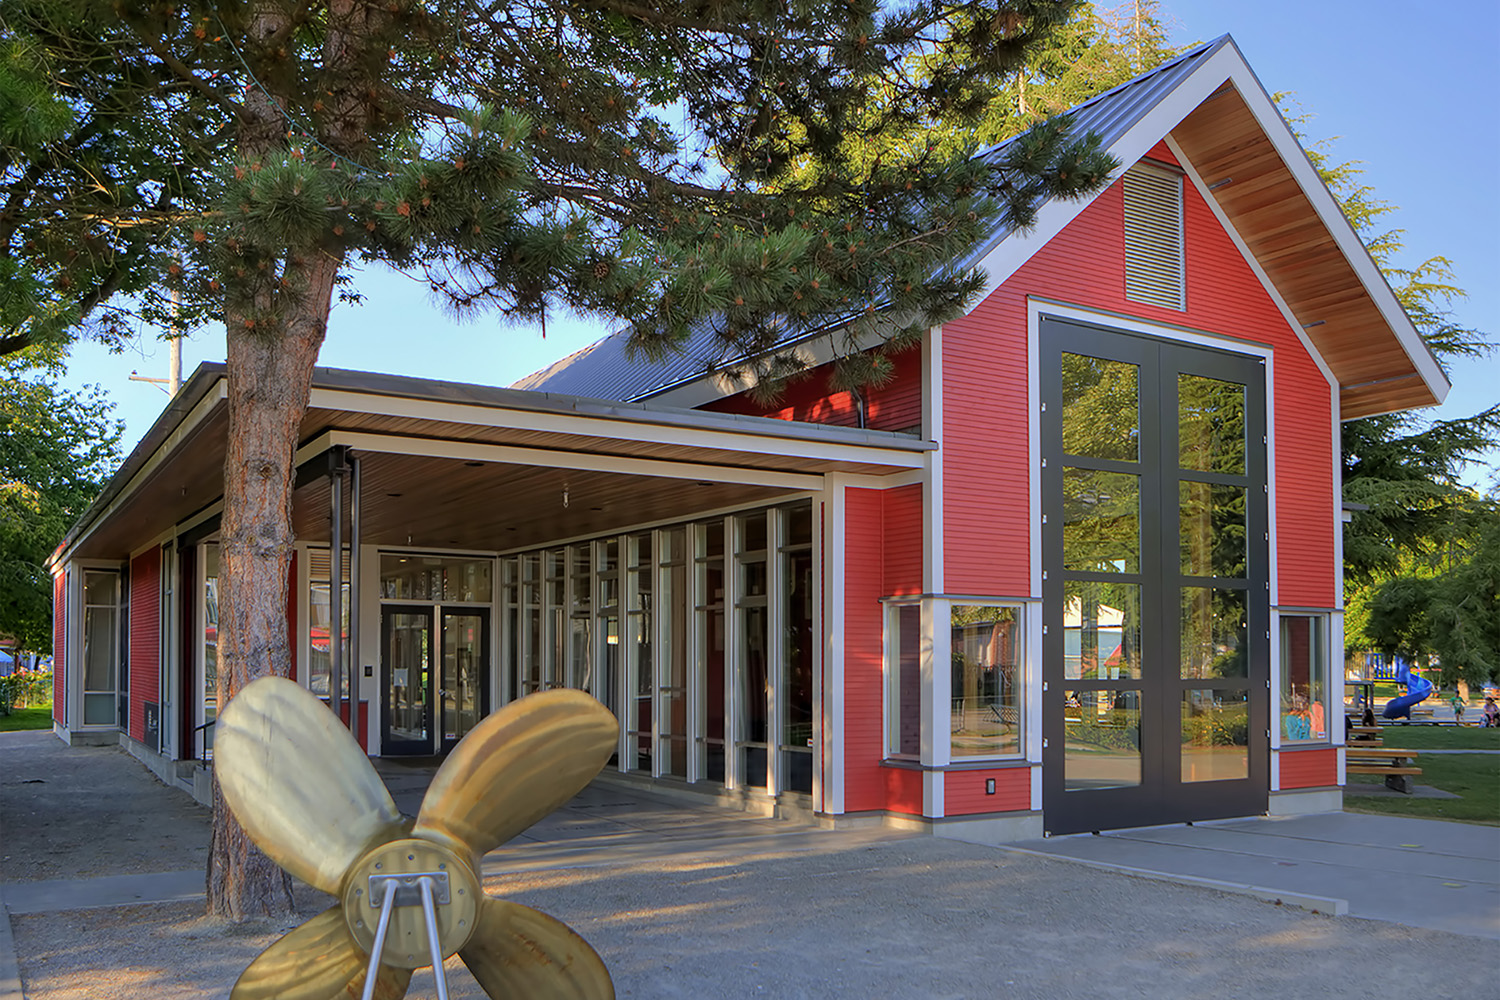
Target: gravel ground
{"x": 916, "y": 918}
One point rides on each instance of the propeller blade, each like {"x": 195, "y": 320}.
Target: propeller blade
{"x": 298, "y": 782}
{"x": 520, "y": 952}
{"x": 515, "y": 767}
{"x": 316, "y": 961}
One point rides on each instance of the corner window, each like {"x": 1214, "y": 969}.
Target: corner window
{"x": 1304, "y": 678}
{"x": 101, "y": 618}
{"x": 903, "y": 680}
{"x": 987, "y": 678}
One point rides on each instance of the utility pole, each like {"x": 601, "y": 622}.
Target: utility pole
{"x": 173, "y": 381}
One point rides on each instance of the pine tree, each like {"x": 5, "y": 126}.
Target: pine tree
{"x": 1420, "y": 548}
{"x": 524, "y": 157}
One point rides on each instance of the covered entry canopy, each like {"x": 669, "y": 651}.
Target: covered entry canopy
{"x": 454, "y": 465}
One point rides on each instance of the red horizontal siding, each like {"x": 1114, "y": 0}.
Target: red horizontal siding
{"x": 964, "y": 794}
{"x": 986, "y": 423}
{"x": 895, "y": 406}
{"x": 864, "y": 692}
{"x": 59, "y": 648}
{"x": 903, "y": 790}
{"x": 903, "y": 540}
{"x": 145, "y": 638}
{"x": 1309, "y": 768}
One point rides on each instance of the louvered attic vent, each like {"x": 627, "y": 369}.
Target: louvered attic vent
{"x": 1153, "y": 236}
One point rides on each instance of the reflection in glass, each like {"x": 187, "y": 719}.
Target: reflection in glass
{"x": 408, "y": 659}
{"x": 463, "y": 657}
{"x": 1304, "y": 678}
{"x": 674, "y": 703}
{"x": 1103, "y": 739}
{"x": 1101, "y": 521}
{"x": 1101, "y": 630}
{"x": 406, "y": 577}
{"x": 986, "y": 710}
{"x": 753, "y": 731}
{"x": 903, "y": 695}
{"x": 1215, "y": 735}
{"x": 1211, "y": 424}
{"x": 1214, "y": 623}
{"x": 1101, "y": 408}
{"x": 796, "y": 689}
{"x": 1212, "y": 519}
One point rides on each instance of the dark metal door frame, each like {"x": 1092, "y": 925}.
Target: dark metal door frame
{"x": 394, "y": 747}
{"x": 1162, "y": 796}
{"x": 483, "y": 669}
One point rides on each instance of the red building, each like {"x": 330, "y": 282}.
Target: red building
{"x": 1076, "y": 567}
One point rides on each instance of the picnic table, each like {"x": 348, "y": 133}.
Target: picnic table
{"x": 1397, "y": 766}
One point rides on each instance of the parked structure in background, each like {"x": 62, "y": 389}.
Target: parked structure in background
{"x": 1075, "y": 567}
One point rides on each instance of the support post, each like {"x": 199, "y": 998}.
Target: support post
{"x": 337, "y": 465}
{"x": 356, "y": 672}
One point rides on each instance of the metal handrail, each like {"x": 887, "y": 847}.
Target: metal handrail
{"x": 205, "y": 756}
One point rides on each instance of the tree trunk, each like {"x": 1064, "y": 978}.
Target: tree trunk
{"x": 269, "y": 377}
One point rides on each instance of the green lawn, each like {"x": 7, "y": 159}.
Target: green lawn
{"x": 36, "y": 718}
{"x": 1440, "y": 737}
{"x": 1475, "y": 777}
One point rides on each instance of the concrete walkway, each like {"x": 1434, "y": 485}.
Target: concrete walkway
{"x": 690, "y": 900}
{"x": 1421, "y": 873}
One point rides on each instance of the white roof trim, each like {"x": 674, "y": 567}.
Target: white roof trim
{"x": 1227, "y": 64}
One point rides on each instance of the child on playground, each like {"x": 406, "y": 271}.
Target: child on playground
{"x": 1458, "y": 703}
{"x": 1491, "y": 713}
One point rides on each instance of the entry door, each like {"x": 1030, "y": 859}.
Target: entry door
{"x": 406, "y": 669}
{"x": 462, "y": 687}
{"x": 1155, "y": 581}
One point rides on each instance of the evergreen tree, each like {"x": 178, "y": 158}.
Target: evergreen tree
{"x": 645, "y": 162}
{"x": 1421, "y": 544}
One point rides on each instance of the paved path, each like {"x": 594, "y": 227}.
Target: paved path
{"x": 691, "y": 901}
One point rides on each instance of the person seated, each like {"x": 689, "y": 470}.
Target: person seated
{"x": 1491, "y": 713}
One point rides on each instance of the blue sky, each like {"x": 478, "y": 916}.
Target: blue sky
{"x": 1412, "y": 92}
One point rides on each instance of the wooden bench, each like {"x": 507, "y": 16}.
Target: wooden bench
{"x": 1394, "y": 765}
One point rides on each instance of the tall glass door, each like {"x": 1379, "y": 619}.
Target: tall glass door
{"x": 462, "y": 688}
{"x": 1155, "y": 569}
{"x": 407, "y": 646}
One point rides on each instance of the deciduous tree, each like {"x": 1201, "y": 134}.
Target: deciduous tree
{"x": 57, "y": 448}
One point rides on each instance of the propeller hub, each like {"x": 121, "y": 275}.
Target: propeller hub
{"x": 395, "y": 867}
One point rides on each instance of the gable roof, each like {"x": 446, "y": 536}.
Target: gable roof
{"x": 1246, "y": 162}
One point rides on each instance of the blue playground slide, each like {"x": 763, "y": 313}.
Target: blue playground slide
{"x": 1417, "y": 689}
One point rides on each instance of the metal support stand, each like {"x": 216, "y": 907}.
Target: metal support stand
{"x": 429, "y": 893}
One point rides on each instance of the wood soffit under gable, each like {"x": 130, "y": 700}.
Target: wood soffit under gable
{"x": 1263, "y": 201}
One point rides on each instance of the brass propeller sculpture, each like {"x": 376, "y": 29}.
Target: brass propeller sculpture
{"x": 306, "y": 794}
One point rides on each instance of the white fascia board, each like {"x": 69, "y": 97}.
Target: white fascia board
{"x": 547, "y": 458}
{"x": 621, "y": 429}
{"x": 189, "y": 424}
{"x": 1355, "y": 252}
{"x": 1239, "y": 244}
{"x": 1227, "y": 64}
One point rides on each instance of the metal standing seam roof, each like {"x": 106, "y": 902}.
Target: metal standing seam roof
{"x": 604, "y": 370}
